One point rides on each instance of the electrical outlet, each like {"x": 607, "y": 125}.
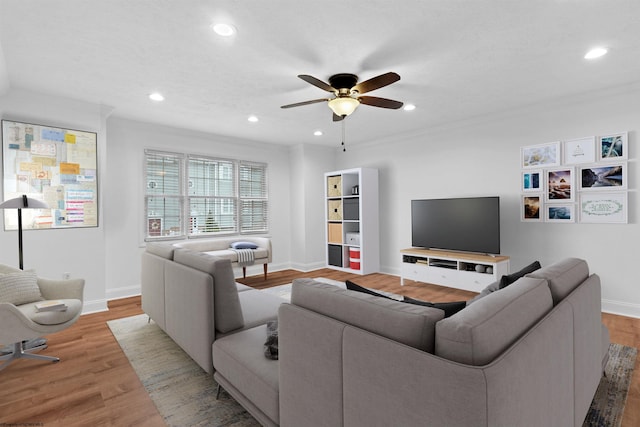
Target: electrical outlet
{"x": 66, "y": 276}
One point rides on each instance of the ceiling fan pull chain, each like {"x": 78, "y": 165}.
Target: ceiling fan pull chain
{"x": 344, "y": 148}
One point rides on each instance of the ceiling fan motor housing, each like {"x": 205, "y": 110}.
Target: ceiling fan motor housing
{"x": 343, "y": 81}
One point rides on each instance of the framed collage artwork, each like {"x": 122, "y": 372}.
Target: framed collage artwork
{"x": 55, "y": 165}
{"x": 576, "y": 180}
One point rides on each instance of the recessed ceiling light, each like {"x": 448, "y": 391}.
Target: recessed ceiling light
{"x": 409, "y": 107}
{"x": 156, "y": 97}
{"x": 252, "y": 119}
{"x": 318, "y": 133}
{"x": 224, "y": 30}
{"x": 596, "y": 53}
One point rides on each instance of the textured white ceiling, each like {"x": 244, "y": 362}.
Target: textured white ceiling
{"x": 458, "y": 59}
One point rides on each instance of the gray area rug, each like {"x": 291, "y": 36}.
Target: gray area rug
{"x": 185, "y": 395}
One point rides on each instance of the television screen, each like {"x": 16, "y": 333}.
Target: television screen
{"x": 469, "y": 224}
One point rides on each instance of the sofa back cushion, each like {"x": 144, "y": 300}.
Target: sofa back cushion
{"x": 161, "y": 249}
{"x": 483, "y": 330}
{"x": 204, "y": 245}
{"x": 409, "y": 324}
{"x": 563, "y": 276}
{"x": 226, "y": 304}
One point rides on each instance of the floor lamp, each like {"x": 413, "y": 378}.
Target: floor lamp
{"x": 20, "y": 203}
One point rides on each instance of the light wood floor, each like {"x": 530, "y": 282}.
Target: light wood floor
{"x": 94, "y": 384}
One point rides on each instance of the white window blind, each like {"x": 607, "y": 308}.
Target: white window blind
{"x": 253, "y": 197}
{"x": 163, "y": 195}
{"x": 218, "y": 196}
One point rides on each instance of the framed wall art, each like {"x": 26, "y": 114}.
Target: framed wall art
{"x": 532, "y": 180}
{"x": 531, "y": 208}
{"x": 560, "y": 213}
{"x": 55, "y": 165}
{"x": 601, "y": 207}
{"x": 581, "y": 150}
{"x": 603, "y": 176}
{"x": 612, "y": 147}
{"x": 536, "y": 156}
{"x": 560, "y": 185}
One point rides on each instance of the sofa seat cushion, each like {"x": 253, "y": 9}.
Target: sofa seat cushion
{"x": 239, "y": 358}
{"x": 563, "y": 276}
{"x": 483, "y": 330}
{"x": 409, "y": 324}
{"x": 241, "y": 288}
{"x": 74, "y": 307}
{"x": 231, "y": 255}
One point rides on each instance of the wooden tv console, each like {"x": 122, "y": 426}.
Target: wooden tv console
{"x": 468, "y": 271}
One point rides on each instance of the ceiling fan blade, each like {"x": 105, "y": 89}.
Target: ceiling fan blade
{"x": 374, "y": 101}
{"x": 337, "y": 118}
{"x": 317, "y": 83}
{"x": 376, "y": 82}
{"x": 299, "y": 104}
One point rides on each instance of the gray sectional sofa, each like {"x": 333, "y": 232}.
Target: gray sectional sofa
{"x": 194, "y": 298}
{"x": 531, "y": 354}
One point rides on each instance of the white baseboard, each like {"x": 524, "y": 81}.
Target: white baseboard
{"x": 123, "y": 292}
{"x": 621, "y": 308}
{"x": 94, "y": 306}
{"x": 308, "y": 266}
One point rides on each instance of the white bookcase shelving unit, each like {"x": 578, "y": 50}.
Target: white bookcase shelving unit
{"x": 468, "y": 271}
{"x": 351, "y": 220}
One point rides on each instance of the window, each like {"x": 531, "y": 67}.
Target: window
{"x": 218, "y": 196}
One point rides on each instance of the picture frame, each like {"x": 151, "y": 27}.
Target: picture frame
{"x": 531, "y": 208}
{"x": 532, "y": 181}
{"x": 560, "y": 185}
{"x": 154, "y": 226}
{"x": 613, "y": 147}
{"x": 603, "y": 177}
{"x": 56, "y": 165}
{"x": 579, "y": 150}
{"x": 604, "y": 207}
{"x": 565, "y": 212}
{"x": 541, "y": 155}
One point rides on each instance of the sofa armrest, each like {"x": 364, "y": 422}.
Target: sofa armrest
{"x": 189, "y": 311}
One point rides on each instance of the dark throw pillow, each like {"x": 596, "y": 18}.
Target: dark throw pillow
{"x": 449, "y": 308}
{"x": 353, "y": 287}
{"x": 509, "y": 279}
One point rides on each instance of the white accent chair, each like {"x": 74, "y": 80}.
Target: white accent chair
{"x": 23, "y": 324}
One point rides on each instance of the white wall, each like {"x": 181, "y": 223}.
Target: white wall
{"x": 79, "y": 251}
{"x": 481, "y": 157}
{"x": 308, "y": 165}
{"x": 124, "y": 198}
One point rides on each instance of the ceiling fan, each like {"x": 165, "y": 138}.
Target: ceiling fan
{"x": 347, "y": 93}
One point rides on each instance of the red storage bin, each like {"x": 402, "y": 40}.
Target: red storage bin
{"x": 354, "y": 263}
{"x": 354, "y": 253}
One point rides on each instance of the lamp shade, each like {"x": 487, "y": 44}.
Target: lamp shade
{"x": 23, "y": 202}
{"x": 343, "y": 106}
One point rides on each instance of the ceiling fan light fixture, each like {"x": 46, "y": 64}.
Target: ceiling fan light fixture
{"x": 596, "y": 53}
{"x": 223, "y": 29}
{"x": 343, "y": 106}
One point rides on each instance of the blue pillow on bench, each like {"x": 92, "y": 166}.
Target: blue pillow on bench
{"x": 244, "y": 245}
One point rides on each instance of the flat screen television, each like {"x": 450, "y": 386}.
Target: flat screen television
{"x": 470, "y": 224}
